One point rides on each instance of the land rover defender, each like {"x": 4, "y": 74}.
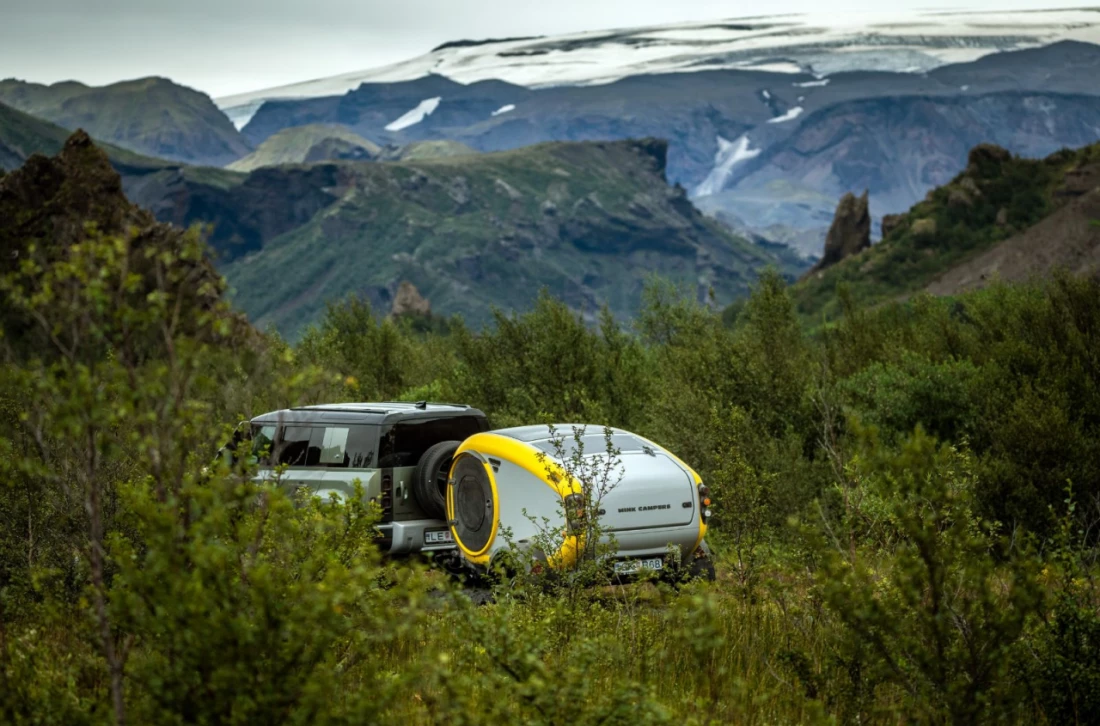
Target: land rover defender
{"x": 400, "y": 453}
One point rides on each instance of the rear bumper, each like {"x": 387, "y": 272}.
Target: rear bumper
{"x": 641, "y": 543}
{"x": 408, "y": 537}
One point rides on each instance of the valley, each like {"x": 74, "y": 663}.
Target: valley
{"x": 274, "y": 367}
{"x": 481, "y": 156}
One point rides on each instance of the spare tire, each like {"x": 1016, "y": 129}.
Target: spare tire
{"x": 475, "y": 523}
{"x": 429, "y": 480}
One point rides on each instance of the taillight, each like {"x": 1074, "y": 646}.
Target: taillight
{"x": 387, "y": 497}
{"x": 704, "y": 502}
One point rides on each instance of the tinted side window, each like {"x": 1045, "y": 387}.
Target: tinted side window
{"x": 334, "y": 445}
{"x": 362, "y": 445}
{"x": 327, "y": 446}
{"x": 404, "y": 443}
{"x": 295, "y": 449}
{"x": 347, "y": 446}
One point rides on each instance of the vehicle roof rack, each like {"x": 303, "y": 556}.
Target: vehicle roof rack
{"x": 424, "y": 404}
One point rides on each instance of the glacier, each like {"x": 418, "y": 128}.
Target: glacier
{"x": 809, "y": 43}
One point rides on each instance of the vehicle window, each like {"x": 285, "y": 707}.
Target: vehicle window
{"x": 326, "y": 446}
{"x": 404, "y": 443}
{"x": 295, "y": 448}
{"x": 262, "y": 439}
{"x": 334, "y": 444}
{"x": 362, "y": 445}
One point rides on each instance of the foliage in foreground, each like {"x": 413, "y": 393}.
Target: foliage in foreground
{"x": 906, "y": 514}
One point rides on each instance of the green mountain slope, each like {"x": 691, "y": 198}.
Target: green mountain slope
{"x": 996, "y": 198}
{"x": 150, "y": 116}
{"x": 309, "y": 143}
{"x": 434, "y": 149}
{"x": 589, "y": 221}
{"x": 22, "y": 135}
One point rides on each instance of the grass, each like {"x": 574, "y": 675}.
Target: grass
{"x": 704, "y": 654}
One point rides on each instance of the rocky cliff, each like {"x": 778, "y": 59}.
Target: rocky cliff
{"x": 50, "y": 204}
{"x": 849, "y": 234}
{"x": 1004, "y": 217}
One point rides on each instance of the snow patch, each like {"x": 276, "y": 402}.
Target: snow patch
{"x": 729, "y": 155}
{"x": 504, "y": 109}
{"x": 812, "y": 84}
{"x": 792, "y": 113}
{"x": 767, "y": 94}
{"x": 422, "y": 111}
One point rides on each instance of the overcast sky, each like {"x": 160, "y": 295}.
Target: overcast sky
{"x": 230, "y": 46}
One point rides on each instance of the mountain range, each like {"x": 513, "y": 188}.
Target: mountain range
{"x": 485, "y": 170}
{"x": 589, "y": 221}
{"x": 769, "y": 120}
{"x": 821, "y": 43}
{"x": 151, "y": 116}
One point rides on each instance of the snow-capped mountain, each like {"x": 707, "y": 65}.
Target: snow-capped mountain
{"x": 807, "y": 43}
{"x": 769, "y": 120}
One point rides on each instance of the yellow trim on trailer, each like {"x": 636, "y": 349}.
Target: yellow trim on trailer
{"x": 525, "y": 456}
{"x": 534, "y": 461}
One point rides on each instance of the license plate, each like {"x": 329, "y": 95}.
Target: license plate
{"x": 438, "y": 536}
{"x": 628, "y": 567}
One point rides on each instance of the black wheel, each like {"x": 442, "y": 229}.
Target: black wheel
{"x": 701, "y": 568}
{"x": 429, "y": 481}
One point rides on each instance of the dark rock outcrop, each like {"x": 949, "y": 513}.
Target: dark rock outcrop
{"x": 51, "y": 204}
{"x": 890, "y": 222}
{"x": 409, "y": 301}
{"x": 50, "y": 201}
{"x": 984, "y": 155}
{"x": 1080, "y": 181}
{"x": 850, "y": 232}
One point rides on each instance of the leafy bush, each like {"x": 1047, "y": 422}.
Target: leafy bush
{"x": 925, "y": 446}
